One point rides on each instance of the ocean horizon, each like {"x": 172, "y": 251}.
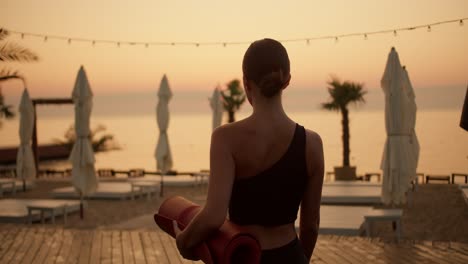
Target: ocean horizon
{"x": 131, "y": 119}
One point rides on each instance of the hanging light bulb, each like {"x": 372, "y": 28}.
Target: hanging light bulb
{"x": 308, "y": 41}
{"x": 224, "y": 44}
{"x": 197, "y": 44}
{"x": 69, "y": 41}
{"x": 395, "y": 33}
{"x": 45, "y": 38}
{"x": 461, "y": 22}
{"x": 94, "y": 43}
{"x": 22, "y": 35}
{"x": 146, "y": 45}
{"x": 336, "y": 40}
{"x": 429, "y": 29}
{"x": 172, "y": 44}
{"x": 118, "y": 44}
{"x": 365, "y": 36}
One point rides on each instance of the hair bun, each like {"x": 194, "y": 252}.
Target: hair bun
{"x": 271, "y": 83}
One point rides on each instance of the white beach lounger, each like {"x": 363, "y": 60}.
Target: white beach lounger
{"x": 179, "y": 181}
{"x": 347, "y": 194}
{"x": 12, "y": 185}
{"x": 16, "y": 210}
{"x": 107, "y": 190}
{"x": 341, "y": 220}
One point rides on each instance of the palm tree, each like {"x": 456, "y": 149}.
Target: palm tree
{"x": 233, "y": 97}
{"x": 11, "y": 52}
{"x": 342, "y": 94}
{"x": 102, "y": 143}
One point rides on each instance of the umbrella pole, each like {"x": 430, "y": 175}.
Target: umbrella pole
{"x": 81, "y": 206}
{"x": 24, "y": 185}
{"x": 161, "y": 194}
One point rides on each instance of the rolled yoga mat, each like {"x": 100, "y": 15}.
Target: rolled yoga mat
{"x": 230, "y": 244}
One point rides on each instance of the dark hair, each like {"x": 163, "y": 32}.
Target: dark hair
{"x": 266, "y": 63}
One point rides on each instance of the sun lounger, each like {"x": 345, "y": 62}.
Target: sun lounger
{"x": 461, "y": 175}
{"x": 351, "y": 193}
{"x": 29, "y": 210}
{"x": 376, "y": 215}
{"x": 179, "y": 181}
{"x": 12, "y": 185}
{"x": 106, "y": 190}
{"x": 437, "y": 178}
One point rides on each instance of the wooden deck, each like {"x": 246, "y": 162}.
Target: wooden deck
{"x": 43, "y": 244}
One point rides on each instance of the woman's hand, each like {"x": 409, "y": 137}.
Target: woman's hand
{"x": 187, "y": 253}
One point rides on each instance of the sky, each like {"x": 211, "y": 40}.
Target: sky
{"x": 436, "y": 59}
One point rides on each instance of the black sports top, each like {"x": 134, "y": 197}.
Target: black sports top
{"x": 272, "y": 197}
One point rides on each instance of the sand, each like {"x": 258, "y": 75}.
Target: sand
{"x": 439, "y": 212}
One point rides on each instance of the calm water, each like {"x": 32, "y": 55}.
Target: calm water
{"x": 444, "y": 145}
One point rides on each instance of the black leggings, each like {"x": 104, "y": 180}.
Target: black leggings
{"x": 291, "y": 253}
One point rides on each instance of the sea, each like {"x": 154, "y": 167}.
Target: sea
{"x": 130, "y": 117}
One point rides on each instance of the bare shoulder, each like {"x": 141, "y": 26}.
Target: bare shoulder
{"x": 313, "y": 140}
{"x": 227, "y": 133}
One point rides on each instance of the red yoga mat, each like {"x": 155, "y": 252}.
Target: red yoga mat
{"x": 230, "y": 244}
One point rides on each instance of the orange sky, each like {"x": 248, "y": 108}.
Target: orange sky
{"x": 436, "y": 58}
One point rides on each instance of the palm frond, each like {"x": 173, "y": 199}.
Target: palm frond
{"x": 6, "y": 74}
{"x": 343, "y": 93}
{"x": 14, "y": 52}
{"x": 3, "y": 33}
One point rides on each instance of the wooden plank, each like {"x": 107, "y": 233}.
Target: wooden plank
{"x": 18, "y": 241}
{"x": 117, "y": 257}
{"x": 137, "y": 247}
{"x": 96, "y": 248}
{"x": 45, "y": 246}
{"x": 172, "y": 253}
{"x": 128, "y": 257}
{"x": 85, "y": 251}
{"x": 25, "y": 247}
{"x": 432, "y": 254}
{"x": 106, "y": 247}
{"x": 148, "y": 249}
{"x": 67, "y": 240}
{"x": 75, "y": 247}
{"x": 38, "y": 239}
{"x": 55, "y": 247}
{"x": 158, "y": 248}
{"x": 8, "y": 239}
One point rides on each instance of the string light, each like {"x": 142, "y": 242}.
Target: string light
{"x": 225, "y": 44}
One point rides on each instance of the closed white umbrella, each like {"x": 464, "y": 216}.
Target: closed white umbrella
{"x": 397, "y": 155}
{"x": 82, "y": 156}
{"x": 25, "y": 164}
{"x": 163, "y": 151}
{"x": 216, "y": 104}
{"x": 411, "y": 110}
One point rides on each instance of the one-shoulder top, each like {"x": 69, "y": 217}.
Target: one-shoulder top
{"x": 272, "y": 197}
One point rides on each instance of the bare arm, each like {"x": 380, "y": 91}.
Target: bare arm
{"x": 310, "y": 206}
{"x": 213, "y": 214}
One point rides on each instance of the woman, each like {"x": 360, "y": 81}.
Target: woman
{"x": 263, "y": 167}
